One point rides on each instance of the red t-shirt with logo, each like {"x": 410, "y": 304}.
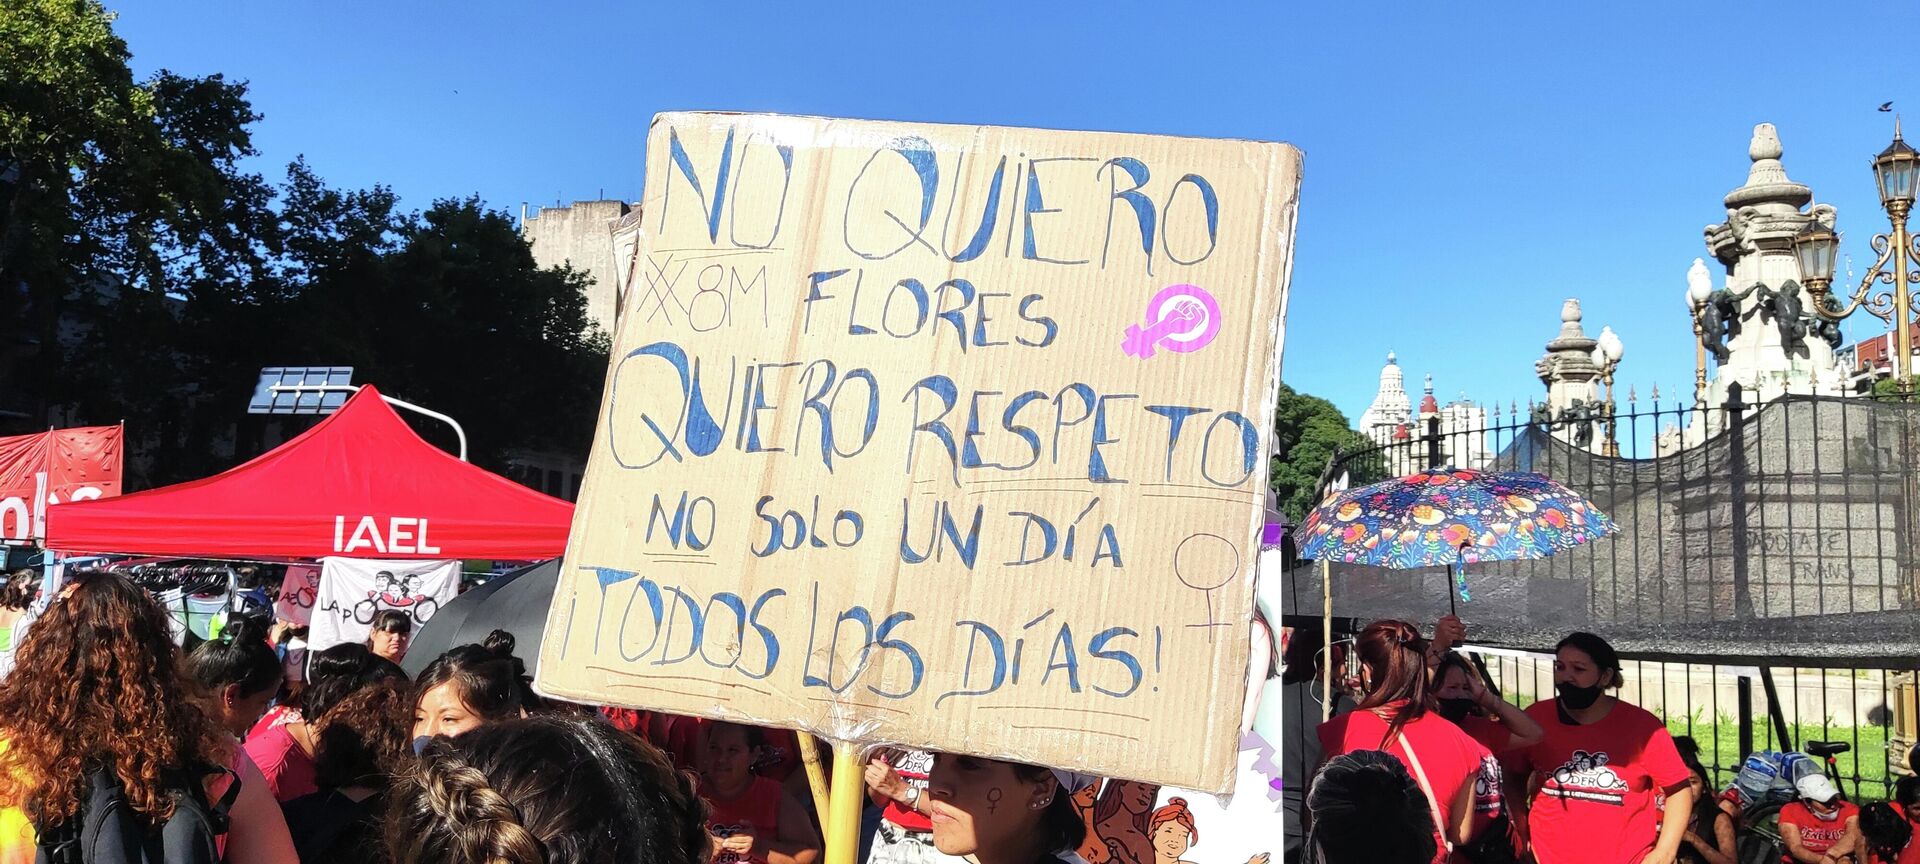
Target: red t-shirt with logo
{"x": 755, "y": 811}
{"x": 1449, "y": 758}
{"x": 1816, "y": 834}
{"x": 1596, "y": 798}
{"x": 1488, "y": 794}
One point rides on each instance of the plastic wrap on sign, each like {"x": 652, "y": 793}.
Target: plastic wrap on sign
{"x": 949, "y": 437}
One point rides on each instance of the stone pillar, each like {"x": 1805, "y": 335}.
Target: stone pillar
{"x": 1769, "y": 353}
{"x": 1573, "y": 381}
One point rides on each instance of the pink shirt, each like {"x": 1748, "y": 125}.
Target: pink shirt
{"x": 288, "y": 769}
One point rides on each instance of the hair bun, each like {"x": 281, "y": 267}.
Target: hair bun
{"x": 245, "y": 628}
{"x": 1176, "y": 801}
{"x": 499, "y": 643}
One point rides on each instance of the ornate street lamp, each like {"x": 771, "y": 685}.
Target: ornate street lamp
{"x": 1895, "y": 171}
{"x": 1606, "y": 355}
{"x": 1699, "y": 288}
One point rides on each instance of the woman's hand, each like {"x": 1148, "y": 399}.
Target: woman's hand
{"x": 884, "y": 780}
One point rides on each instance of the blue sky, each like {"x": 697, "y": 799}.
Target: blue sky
{"x": 1468, "y": 165}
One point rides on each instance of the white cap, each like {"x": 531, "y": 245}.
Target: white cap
{"x": 1816, "y": 787}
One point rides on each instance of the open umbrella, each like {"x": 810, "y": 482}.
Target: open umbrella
{"x": 1451, "y": 518}
{"x": 516, "y": 602}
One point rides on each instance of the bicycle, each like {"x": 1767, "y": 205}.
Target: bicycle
{"x": 1759, "y": 841}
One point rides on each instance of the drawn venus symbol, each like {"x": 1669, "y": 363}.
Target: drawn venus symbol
{"x": 1181, "y": 318}
{"x": 1206, "y": 563}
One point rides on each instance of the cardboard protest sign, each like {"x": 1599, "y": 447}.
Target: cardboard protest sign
{"x": 948, "y": 437}
{"x": 353, "y": 590}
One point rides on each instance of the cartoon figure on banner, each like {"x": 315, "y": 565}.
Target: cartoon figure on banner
{"x": 382, "y": 596}
{"x": 1174, "y": 833}
{"x": 1119, "y": 827}
{"x": 1124, "y": 827}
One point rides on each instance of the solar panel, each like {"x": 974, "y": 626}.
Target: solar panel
{"x": 269, "y": 400}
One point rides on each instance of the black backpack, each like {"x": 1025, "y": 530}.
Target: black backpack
{"x": 106, "y": 830}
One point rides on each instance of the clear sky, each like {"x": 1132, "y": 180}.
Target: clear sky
{"x": 1468, "y": 165}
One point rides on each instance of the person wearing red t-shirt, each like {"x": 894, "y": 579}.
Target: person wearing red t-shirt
{"x": 1598, "y": 770}
{"x": 1496, "y": 724}
{"x": 1820, "y": 828}
{"x": 1395, "y": 717}
{"x": 751, "y": 819}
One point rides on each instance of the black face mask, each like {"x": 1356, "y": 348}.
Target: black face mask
{"x": 1577, "y": 698}
{"x": 1455, "y": 710}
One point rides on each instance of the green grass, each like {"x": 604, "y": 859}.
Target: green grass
{"x": 1719, "y": 740}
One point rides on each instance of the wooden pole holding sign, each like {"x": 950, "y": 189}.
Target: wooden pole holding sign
{"x": 843, "y": 812}
{"x": 951, "y": 437}
{"x": 816, "y": 776}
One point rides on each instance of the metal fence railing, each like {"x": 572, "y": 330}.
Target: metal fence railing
{"x": 1764, "y": 581}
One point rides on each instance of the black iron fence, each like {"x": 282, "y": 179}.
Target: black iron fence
{"x": 1763, "y": 579}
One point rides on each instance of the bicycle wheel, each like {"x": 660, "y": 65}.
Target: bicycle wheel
{"x": 1759, "y": 838}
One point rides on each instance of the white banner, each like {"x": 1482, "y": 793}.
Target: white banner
{"x": 297, "y": 594}
{"x": 353, "y": 590}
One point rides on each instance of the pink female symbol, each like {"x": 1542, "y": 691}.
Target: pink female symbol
{"x": 1181, "y": 318}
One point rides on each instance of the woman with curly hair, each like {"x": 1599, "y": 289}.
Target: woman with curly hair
{"x": 549, "y": 789}
{"x": 98, "y": 688}
{"x": 362, "y": 745}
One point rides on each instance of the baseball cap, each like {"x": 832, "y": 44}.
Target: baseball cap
{"x": 1816, "y": 787}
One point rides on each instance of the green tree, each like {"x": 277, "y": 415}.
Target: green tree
{"x": 122, "y": 210}
{"x": 1309, "y": 430}
{"x": 445, "y": 308}
{"x": 145, "y": 277}
{"x": 1892, "y": 389}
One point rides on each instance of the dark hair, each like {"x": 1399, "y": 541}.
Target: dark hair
{"x": 756, "y": 737}
{"x": 1061, "y": 827}
{"x": 240, "y": 656}
{"x": 545, "y": 789}
{"x": 1706, "y": 807}
{"x": 22, "y": 588}
{"x": 1884, "y": 830}
{"x": 1302, "y": 657}
{"x": 1367, "y": 809}
{"x": 1395, "y": 653}
{"x": 490, "y": 681}
{"x": 331, "y": 675}
{"x": 1449, "y": 662}
{"x": 365, "y": 739}
{"x": 390, "y": 621}
{"x": 1906, "y": 790}
{"x": 1597, "y": 648}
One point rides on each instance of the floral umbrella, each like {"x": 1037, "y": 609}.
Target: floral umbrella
{"x": 1451, "y": 518}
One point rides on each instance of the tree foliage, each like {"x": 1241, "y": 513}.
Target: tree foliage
{"x": 146, "y": 276}
{"x": 1309, "y": 430}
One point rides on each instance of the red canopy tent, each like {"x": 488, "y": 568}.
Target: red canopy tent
{"x": 361, "y": 483}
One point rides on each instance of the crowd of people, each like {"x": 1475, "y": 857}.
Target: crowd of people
{"x": 1421, "y": 762}
{"x": 117, "y": 744}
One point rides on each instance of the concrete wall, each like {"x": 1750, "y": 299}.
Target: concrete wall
{"x": 582, "y": 236}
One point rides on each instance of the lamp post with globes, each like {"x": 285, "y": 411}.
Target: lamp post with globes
{"x": 1698, "y": 290}
{"x": 1895, "y": 171}
{"x": 1606, "y": 355}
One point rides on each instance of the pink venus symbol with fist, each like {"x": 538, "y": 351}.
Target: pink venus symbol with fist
{"x": 1181, "y": 318}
